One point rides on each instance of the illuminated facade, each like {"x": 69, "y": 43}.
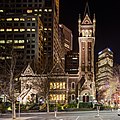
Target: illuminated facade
{"x": 21, "y": 29}
{"x": 22, "y": 18}
{"x": 104, "y": 75}
{"x": 86, "y": 39}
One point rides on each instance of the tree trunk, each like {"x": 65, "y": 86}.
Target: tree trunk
{"x": 13, "y": 110}
{"x": 47, "y": 105}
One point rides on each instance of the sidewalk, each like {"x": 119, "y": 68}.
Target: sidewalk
{"x": 21, "y": 118}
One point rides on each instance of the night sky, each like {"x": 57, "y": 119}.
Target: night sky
{"x": 107, "y": 14}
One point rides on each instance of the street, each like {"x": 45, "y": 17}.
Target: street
{"x": 77, "y": 115}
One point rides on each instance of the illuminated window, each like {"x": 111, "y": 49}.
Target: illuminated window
{"x": 8, "y": 57}
{"x": 45, "y": 10}
{"x": 33, "y": 29}
{"x": 50, "y": 10}
{"x": 9, "y": 19}
{"x": 57, "y": 97}
{"x": 8, "y": 29}
{"x": 29, "y": 11}
{"x": 49, "y": 29}
{"x": 1, "y": 10}
{"x": 21, "y": 41}
{"x": 45, "y": 28}
{"x": 2, "y": 30}
{"x": 35, "y": 10}
{"x": 21, "y": 30}
{"x": 44, "y": 39}
{"x": 33, "y": 19}
{"x": 19, "y": 47}
{"x": 63, "y": 85}
{"x": 58, "y": 85}
{"x": 2, "y": 58}
{"x": 28, "y": 29}
{"x": 40, "y": 10}
{"x": 22, "y": 19}
{"x": 16, "y": 19}
{"x": 15, "y": 41}
{"x": 9, "y": 41}
{"x": 2, "y": 41}
{"x": 16, "y": 29}
{"x": 51, "y": 85}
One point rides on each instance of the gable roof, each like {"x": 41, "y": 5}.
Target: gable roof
{"x": 86, "y": 20}
{"x": 28, "y": 71}
{"x": 57, "y": 69}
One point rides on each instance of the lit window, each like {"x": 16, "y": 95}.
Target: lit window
{"x": 21, "y": 30}
{"x": 8, "y": 29}
{"x": 9, "y": 41}
{"x": 40, "y": 10}
{"x": 49, "y": 29}
{"x": 63, "y": 85}
{"x": 44, "y": 39}
{"x": 33, "y": 19}
{"x": 16, "y": 19}
{"x": 28, "y": 19}
{"x": 2, "y": 29}
{"x": 28, "y": 29}
{"x": 33, "y": 29}
{"x": 19, "y": 47}
{"x": 16, "y": 29}
{"x": 2, "y": 58}
{"x": 35, "y": 10}
{"x": 50, "y": 10}
{"x": 1, "y": 10}
{"x": 22, "y": 19}
{"x": 8, "y": 57}
{"x": 9, "y": 19}
{"x": 39, "y": 15}
{"x": 2, "y": 41}
{"x": 15, "y": 41}
{"x": 29, "y": 11}
{"x": 21, "y": 41}
{"x": 45, "y": 10}
{"x": 45, "y": 28}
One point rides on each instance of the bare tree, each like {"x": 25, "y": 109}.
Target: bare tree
{"x": 10, "y": 85}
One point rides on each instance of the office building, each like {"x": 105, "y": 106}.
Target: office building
{"x": 104, "y": 75}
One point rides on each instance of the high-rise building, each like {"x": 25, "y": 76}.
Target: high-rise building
{"x": 31, "y": 26}
{"x": 52, "y": 46}
{"x": 66, "y": 39}
{"x": 86, "y": 39}
{"x": 104, "y": 74}
{"x": 71, "y": 62}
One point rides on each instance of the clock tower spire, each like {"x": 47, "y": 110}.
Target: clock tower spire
{"x": 86, "y": 39}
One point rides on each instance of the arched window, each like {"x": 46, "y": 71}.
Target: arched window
{"x": 73, "y": 85}
{"x": 73, "y": 97}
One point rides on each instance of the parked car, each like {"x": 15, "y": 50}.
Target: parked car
{"x": 118, "y": 111}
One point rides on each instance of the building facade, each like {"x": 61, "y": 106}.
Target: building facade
{"x": 104, "y": 75}
{"x": 71, "y": 62}
{"x": 86, "y": 40}
{"x": 32, "y": 26}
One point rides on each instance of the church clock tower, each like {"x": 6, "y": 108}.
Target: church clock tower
{"x": 86, "y": 39}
